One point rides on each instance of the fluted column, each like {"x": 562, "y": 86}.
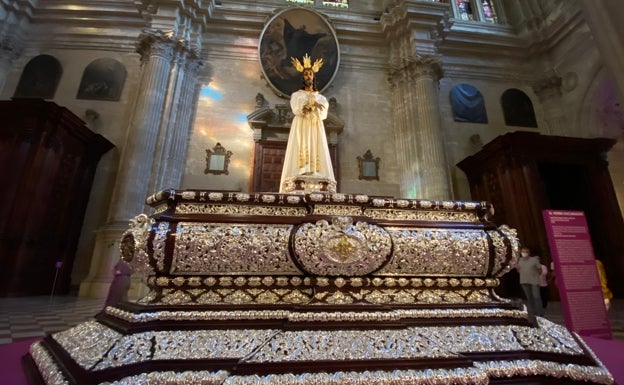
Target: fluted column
{"x": 434, "y": 179}
{"x": 548, "y": 90}
{"x": 414, "y": 74}
{"x": 405, "y": 138}
{"x": 137, "y": 158}
{"x": 181, "y": 126}
{"x": 131, "y": 186}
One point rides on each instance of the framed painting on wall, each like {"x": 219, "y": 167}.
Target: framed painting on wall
{"x": 294, "y": 32}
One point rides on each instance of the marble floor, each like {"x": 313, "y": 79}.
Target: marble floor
{"x": 30, "y": 317}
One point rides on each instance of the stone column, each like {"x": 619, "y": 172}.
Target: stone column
{"x": 548, "y": 90}
{"x": 137, "y": 158}
{"x": 138, "y": 154}
{"x": 414, "y": 74}
{"x": 181, "y": 126}
{"x": 402, "y": 118}
{"x": 434, "y": 178}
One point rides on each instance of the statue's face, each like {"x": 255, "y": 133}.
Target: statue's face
{"x": 308, "y": 77}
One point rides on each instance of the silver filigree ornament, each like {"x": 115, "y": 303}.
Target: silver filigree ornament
{"x": 428, "y": 252}
{"x": 133, "y": 246}
{"x": 215, "y": 248}
{"x": 341, "y": 248}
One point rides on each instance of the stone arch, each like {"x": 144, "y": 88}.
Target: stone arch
{"x": 102, "y": 79}
{"x": 39, "y": 78}
{"x": 518, "y": 108}
{"x": 468, "y": 104}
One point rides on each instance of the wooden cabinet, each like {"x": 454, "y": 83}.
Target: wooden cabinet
{"x": 48, "y": 158}
{"x": 523, "y": 173}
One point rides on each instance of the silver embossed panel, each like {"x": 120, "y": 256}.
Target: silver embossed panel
{"x": 341, "y": 248}
{"x": 437, "y": 252}
{"x": 221, "y": 248}
{"x": 314, "y": 345}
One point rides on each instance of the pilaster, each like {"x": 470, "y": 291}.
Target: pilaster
{"x": 131, "y": 187}
{"x": 425, "y": 72}
{"x": 548, "y": 90}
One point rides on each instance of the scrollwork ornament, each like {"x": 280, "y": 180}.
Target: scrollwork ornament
{"x": 341, "y": 249}
{"x": 133, "y": 246}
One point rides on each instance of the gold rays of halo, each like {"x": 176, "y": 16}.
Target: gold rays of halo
{"x": 307, "y": 63}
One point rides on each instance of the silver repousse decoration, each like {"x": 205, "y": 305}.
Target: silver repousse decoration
{"x": 133, "y": 247}
{"x": 314, "y": 316}
{"x": 459, "y": 376}
{"x": 337, "y": 210}
{"x": 221, "y": 209}
{"x": 214, "y": 248}
{"x": 341, "y": 248}
{"x": 317, "y": 282}
{"x": 424, "y": 251}
{"x": 158, "y": 244}
{"x": 49, "y": 370}
{"x": 190, "y": 345}
{"x": 337, "y": 345}
{"x": 87, "y": 342}
{"x": 421, "y": 215}
{"x": 505, "y": 259}
{"x": 178, "y": 378}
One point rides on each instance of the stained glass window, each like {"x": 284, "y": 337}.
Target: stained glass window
{"x": 337, "y": 3}
{"x": 464, "y": 9}
{"x": 489, "y": 12}
{"x": 477, "y": 10}
{"x": 308, "y": 2}
{"x": 328, "y": 3}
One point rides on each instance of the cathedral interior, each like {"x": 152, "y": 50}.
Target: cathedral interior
{"x": 512, "y": 102}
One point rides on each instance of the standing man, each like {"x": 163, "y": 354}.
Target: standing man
{"x": 307, "y": 153}
{"x": 529, "y": 269}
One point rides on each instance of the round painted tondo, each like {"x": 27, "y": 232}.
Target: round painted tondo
{"x": 294, "y": 32}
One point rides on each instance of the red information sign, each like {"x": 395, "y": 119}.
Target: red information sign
{"x": 577, "y": 277}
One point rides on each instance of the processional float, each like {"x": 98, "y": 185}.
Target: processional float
{"x": 311, "y": 289}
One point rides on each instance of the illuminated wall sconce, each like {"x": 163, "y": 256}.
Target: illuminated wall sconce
{"x": 217, "y": 160}
{"x": 369, "y": 166}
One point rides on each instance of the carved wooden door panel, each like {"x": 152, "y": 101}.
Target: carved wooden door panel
{"x": 269, "y": 160}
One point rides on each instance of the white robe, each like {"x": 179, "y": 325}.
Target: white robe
{"x": 307, "y": 151}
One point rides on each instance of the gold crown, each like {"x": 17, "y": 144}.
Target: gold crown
{"x": 307, "y": 63}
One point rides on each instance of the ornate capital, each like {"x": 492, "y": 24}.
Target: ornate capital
{"x": 164, "y": 44}
{"x": 10, "y": 48}
{"x": 155, "y": 43}
{"x": 425, "y": 66}
{"x": 548, "y": 86}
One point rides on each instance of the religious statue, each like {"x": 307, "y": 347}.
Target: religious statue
{"x": 307, "y": 165}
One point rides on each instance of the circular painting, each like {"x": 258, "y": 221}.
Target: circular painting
{"x": 294, "y": 32}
